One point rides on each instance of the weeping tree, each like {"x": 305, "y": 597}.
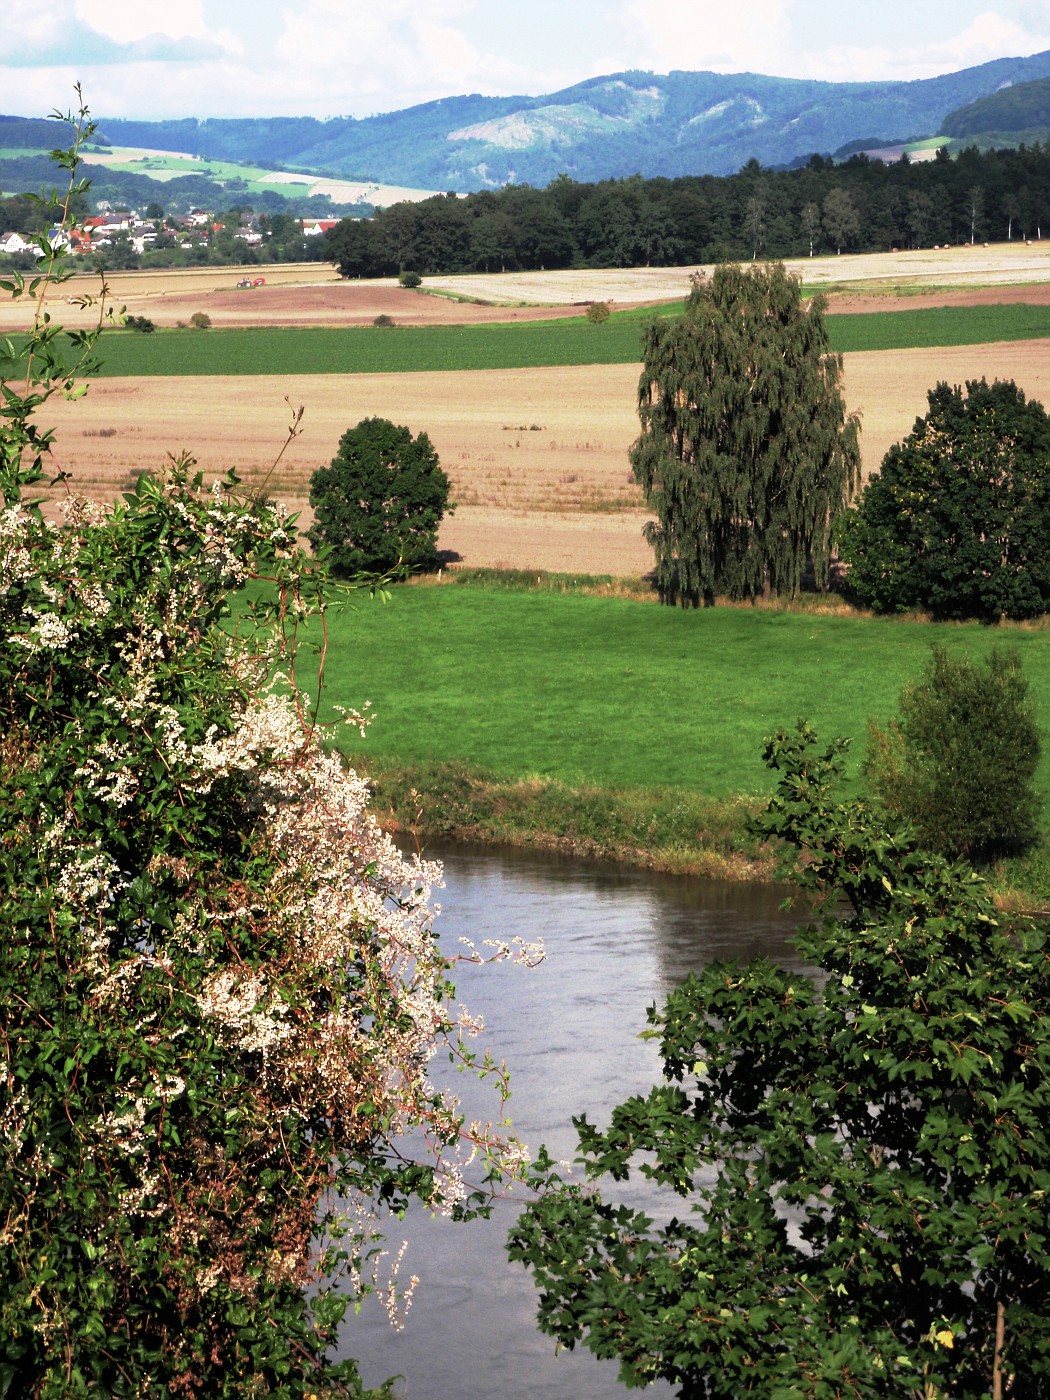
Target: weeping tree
{"x": 746, "y": 454}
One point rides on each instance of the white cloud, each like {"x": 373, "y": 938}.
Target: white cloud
{"x": 988, "y": 36}
{"x": 129, "y": 22}
{"x": 721, "y": 37}
{"x": 991, "y": 35}
{"x": 367, "y": 58}
{"x": 139, "y": 58}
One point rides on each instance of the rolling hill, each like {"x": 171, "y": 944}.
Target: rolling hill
{"x": 620, "y": 124}
{"x": 1006, "y": 117}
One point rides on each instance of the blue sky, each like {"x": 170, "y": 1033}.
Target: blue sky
{"x": 215, "y": 58}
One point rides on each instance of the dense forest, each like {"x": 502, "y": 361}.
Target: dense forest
{"x": 859, "y": 205}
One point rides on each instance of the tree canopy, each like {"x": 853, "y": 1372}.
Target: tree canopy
{"x": 957, "y": 521}
{"x": 746, "y": 454}
{"x": 378, "y": 505}
{"x": 959, "y": 761}
{"x": 857, "y": 1161}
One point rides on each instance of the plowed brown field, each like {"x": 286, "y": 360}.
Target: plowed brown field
{"x": 537, "y": 457}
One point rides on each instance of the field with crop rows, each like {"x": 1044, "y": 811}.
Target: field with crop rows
{"x": 534, "y": 344}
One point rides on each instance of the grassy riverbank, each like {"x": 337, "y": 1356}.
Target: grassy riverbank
{"x": 590, "y": 719}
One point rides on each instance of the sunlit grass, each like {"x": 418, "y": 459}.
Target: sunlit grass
{"x": 620, "y": 693}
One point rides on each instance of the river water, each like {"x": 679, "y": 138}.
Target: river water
{"x": 616, "y": 942}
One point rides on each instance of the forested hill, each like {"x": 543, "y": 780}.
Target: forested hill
{"x": 1021, "y": 111}
{"x": 609, "y": 127}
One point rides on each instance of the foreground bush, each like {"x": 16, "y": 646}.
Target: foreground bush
{"x": 219, "y": 984}
{"x": 857, "y": 1163}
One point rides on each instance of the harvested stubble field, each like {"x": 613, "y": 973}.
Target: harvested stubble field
{"x": 537, "y": 457}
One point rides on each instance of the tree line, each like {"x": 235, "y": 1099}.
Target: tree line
{"x": 859, "y": 205}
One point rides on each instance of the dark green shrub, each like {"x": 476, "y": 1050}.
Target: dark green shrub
{"x": 383, "y": 320}
{"x": 410, "y": 279}
{"x": 959, "y": 761}
{"x": 142, "y": 324}
{"x": 854, "y": 1165}
{"x": 378, "y": 505}
{"x": 958, "y": 520}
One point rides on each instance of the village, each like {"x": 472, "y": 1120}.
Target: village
{"x": 121, "y": 238}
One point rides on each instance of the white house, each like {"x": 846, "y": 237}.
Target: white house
{"x": 15, "y": 243}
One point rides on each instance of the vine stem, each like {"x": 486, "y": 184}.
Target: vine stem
{"x": 997, "y": 1360}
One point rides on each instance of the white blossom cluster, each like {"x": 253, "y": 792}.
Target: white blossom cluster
{"x": 336, "y": 1024}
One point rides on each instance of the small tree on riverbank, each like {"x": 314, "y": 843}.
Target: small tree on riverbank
{"x": 959, "y": 761}
{"x": 865, "y": 1154}
{"x": 746, "y": 454}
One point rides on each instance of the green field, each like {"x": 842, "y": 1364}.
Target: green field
{"x": 404, "y": 349}
{"x": 620, "y": 693}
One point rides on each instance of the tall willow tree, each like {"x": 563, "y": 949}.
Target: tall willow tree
{"x": 746, "y": 453}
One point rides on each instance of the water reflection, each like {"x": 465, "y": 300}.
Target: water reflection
{"x": 616, "y": 942}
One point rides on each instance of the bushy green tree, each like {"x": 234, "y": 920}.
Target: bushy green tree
{"x": 746, "y": 454}
{"x": 220, "y": 987}
{"x": 378, "y": 505}
{"x": 858, "y": 1162}
{"x": 957, "y": 522}
{"x": 959, "y": 762}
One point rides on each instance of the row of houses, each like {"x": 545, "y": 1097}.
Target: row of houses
{"x": 103, "y": 230}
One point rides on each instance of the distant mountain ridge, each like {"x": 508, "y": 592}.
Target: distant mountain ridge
{"x": 681, "y": 123}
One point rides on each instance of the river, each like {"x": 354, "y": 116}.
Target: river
{"x": 616, "y": 942}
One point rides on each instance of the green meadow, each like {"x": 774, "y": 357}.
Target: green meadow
{"x": 611, "y": 726}
{"x": 617, "y": 692}
{"x": 535, "y": 344}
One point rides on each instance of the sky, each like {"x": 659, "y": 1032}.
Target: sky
{"x": 328, "y": 58}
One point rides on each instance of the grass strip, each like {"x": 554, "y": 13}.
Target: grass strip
{"x": 664, "y": 829}
{"x": 524, "y": 345}
{"x": 371, "y": 349}
{"x": 937, "y": 326}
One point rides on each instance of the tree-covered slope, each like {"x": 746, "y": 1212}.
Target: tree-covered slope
{"x": 1021, "y": 111}
{"x": 616, "y": 125}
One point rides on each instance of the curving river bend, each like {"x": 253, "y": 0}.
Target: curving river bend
{"x": 616, "y": 941}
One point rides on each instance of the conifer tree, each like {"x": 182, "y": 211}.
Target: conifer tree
{"x": 746, "y": 453}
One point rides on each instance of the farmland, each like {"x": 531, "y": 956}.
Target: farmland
{"x": 537, "y": 457}
{"x": 530, "y": 345}
{"x": 554, "y": 733}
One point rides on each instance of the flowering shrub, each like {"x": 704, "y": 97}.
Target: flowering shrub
{"x": 220, "y": 989}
